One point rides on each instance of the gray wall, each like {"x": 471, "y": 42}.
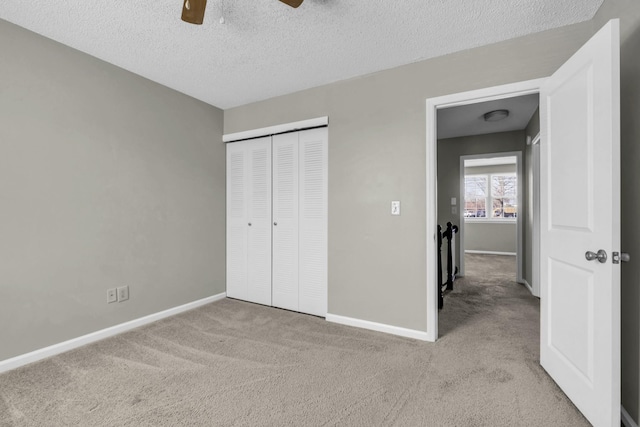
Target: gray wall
{"x": 491, "y": 237}
{"x": 484, "y": 235}
{"x": 377, "y": 154}
{"x": 377, "y": 149}
{"x": 449, "y": 152}
{"x": 106, "y": 179}
{"x": 75, "y": 218}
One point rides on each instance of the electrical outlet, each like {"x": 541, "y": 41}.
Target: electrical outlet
{"x": 395, "y": 207}
{"x": 111, "y": 295}
{"x": 123, "y": 293}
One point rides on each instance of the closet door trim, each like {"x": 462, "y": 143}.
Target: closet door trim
{"x": 275, "y": 130}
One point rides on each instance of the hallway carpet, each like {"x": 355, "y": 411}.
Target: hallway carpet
{"x": 232, "y": 363}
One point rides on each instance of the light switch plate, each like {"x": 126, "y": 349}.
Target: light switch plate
{"x": 454, "y": 210}
{"x": 453, "y": 201}
{"x": 111, "y": 295}
{"x": 395, "y": 207}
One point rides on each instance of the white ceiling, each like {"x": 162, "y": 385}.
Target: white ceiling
{"x": 469, "y": 119}
{"x": 266, "y": 48}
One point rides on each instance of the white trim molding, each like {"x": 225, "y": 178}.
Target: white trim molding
{"x": 378, "y": 327}
{"x": 273, "y": 130}
{"x": 524, "y": 282}
{"x": 535, "y": 233}
{"x": 43, "y": 353}
{"x": 626, "y": 418}
{"x": 472, "y": 251}
{"x": 490, "y": 220}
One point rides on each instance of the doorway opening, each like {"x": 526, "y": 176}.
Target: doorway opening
{"x": 474, "y": 138}
{"x": 493, "y": 204}
{"x": 483, "y": 191}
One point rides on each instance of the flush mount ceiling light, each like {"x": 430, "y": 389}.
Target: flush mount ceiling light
{"x": 193, "y": 10}
{"x": 496, "y": 115}
{"x": 292, "y": 3}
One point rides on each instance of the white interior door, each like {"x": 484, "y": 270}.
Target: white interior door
{"x": 313, "y": 164}
{"x": 259, "y": 221}
{"x": 285, "y": 221}
{"x": 580, "y": 205}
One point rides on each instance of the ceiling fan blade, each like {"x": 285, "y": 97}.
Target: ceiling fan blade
{"x": 193, "y": 11}
{"x": 292, "y": 3}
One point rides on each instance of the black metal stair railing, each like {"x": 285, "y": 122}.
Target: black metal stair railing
{"x": 449, "y": 234}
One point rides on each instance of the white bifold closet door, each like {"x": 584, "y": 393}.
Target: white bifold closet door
{"x": 285, "y": 221}
{"x": 300, "y": 221}
{"x": 249, "y": 220}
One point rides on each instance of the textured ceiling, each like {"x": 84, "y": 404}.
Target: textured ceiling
{"x": 468, "y": 119}
{"x": 266, "y": 48}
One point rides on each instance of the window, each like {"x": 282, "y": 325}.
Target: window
{"x": 504, "y": 196}
{"x": 498, "y": 192}
{"x": 475, "y": 196}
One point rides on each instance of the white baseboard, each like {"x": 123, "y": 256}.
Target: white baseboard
{"x": 524, "y": 282}
{"x": 626, "y": 418}
{"x": 379, "y": 327}
{"x": 470, "y": 251}
{"x": 34, "y": 356}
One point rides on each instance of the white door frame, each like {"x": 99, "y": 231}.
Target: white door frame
{"x": 534, "y": 286}
{"x": 520, "y": 199}
{"x": 433, "y": 105}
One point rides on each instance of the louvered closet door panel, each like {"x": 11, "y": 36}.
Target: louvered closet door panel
{"x": 259, "y": 209}
{"x": 285, "y": 221}
{"x": 237, "y": 219}
{"x": 313, "y": 160}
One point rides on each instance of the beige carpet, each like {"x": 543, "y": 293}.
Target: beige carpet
{"x": 237, "y": 364}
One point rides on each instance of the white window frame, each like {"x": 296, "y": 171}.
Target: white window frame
{"x": 487, "y": 196}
